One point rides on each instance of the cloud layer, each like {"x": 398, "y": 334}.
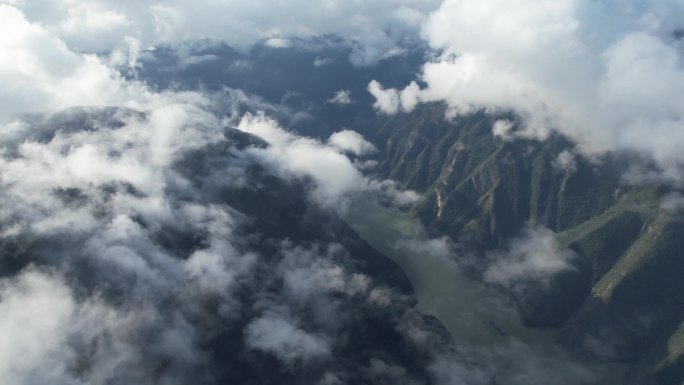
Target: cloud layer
{"x": 376, "y": 29}
{"x": 607, "y": 74}
{"x": 135, "y": 244}
{"x": 133, "y": 241}
{"x": 39, "y": 72}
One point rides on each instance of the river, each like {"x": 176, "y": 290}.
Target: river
{"x": 482, "y": 321}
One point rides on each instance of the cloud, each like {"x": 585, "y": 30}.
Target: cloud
{"x": 341, "y": 97}
{"x": 386, "y": 100}
{"x": 35, "y": 313}
{"x": 606, "y": 74}
{"x": 374, "y": 30}
{"x": 129, "y": 263}
{"x": 307, "y": 274}
{"x": 103, "y": 190}
{"x": 275, "y": 42}
{"x": 435, "y": 247}
{"x": 335, "y": 175}
{"x": 285, "y": 340}
{"x": 534, "y": 257}
{"x": 322, "y": 61}
{"x": 565, "y": 161}
{"x": 39, "y": 72}
{"x": 672, "y": 202}
{"x": 143, "y": 262}
{"x": 351, "y": 142}
{"x": 53, "y": 336}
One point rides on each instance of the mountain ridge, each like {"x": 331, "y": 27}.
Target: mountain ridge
{"x": 618, "y": 300}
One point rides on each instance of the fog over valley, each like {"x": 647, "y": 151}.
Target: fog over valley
{"x": 446, "y": 192}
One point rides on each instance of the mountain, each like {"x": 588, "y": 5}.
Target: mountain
{"x": 620, "y": 297}
{"x": 211, "y": 268}
{"x": 615, "y": 300}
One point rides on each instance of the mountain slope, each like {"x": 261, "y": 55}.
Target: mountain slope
{"x": 620, "y": 299}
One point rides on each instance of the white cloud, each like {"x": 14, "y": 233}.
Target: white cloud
{"x": 535, "y": 256}
{"x": 308, "y": 273}
{"x": 276, "y": 42}
{"x": 39, "y": 72}
{"x": 351, "y": 142}
{"x": 341, "y": 97}
{"x": 281, "y": 337}
{"x": 502, "y": 129}
{"x": 108, "y": 184}
{"x": 606, "y": 74}
{"x": 409, "y": 97}
{"x": 336, "y": 176}
{"x": 391, "y": 191}
{"x": 87, "y": 24}
{"x": 47, "y": 332}
{"x": 333, "y": 172}
{"x": 111, "y": 185}
{"x": 375, "y": 29}
{"x": 386, "y": 100}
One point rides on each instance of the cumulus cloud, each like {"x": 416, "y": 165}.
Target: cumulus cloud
{"x": 130, "y": 209}
{"x": 502, "y": 128}
{"x": 435, "y": 247}
{"x": 127, "y": 208}
{"x": 103, "y": 187}
{"x": 374, "y": 29}
{"x": 351, "y": 142}
{"x": 35, "y": 314}
{"x": 52, "y": 335}
{"x": 341, "y": 97}
{"x": 534, "y": 257}
{"x": 335, "y": 175}
{"x": 145, "y": 272}
{"x": 386, "y": 100}
{"x": 606, "y": 74}
{"x": 276, "y": 42}
{"x": 146, "y": 262}
{"x": 40, "y": 72}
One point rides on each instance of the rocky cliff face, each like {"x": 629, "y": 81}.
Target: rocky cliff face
{"x": 620, "y": 299}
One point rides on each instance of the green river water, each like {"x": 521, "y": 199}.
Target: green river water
{"x": 482, "y": 321}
